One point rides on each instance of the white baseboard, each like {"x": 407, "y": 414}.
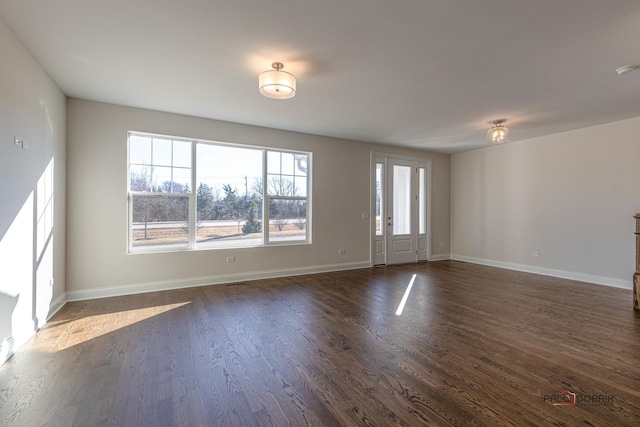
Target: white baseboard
{"x": 139, "y": 288}
{"x": 440, "y": 257}
{"x": 56, "y": 305}
{"x": 598, "y": 280}
{"x": 7, "y": 346}
{"x": 10, "y": 345}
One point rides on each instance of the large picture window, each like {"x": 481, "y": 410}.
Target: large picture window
{"x": 187, "y": 194}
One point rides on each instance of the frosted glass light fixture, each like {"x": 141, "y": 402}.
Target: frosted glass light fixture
{"x": 277, "y": 84}
{"x": 498, "y": 132}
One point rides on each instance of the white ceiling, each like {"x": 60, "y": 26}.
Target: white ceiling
{"x": 427, "y": 74}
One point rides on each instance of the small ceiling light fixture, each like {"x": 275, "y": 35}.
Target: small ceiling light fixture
{"x": 498, "y": 132}
{"x": 277, "y": 84}
{"x": 627, "y": 69}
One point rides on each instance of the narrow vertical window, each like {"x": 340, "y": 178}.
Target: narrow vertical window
{"x": 379, "y": 197}
{"x": 422, "y": 201}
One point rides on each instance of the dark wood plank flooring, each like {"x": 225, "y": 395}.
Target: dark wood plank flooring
{"x": 475, "y": 346}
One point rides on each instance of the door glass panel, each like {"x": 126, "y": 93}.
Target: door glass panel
{"x": 422, "y": 202}
{"x": 401, "y": 199}
{"x": 379, "y": 200}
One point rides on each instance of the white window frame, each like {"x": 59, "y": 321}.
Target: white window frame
{"x": 192, "y": 199}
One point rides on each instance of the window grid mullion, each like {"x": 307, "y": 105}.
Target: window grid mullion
{"x": 149, "y": 193}
{"x": 274, "y": 197}
{"x": 265, "y": 200}
{"x": 171, "y": 157}
{"x": 193, "y": 201}
{"x": 151, "y": 167}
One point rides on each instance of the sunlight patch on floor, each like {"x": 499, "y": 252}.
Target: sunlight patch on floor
{"x": 407, "y": 291}
{"x": 91, "y": 327}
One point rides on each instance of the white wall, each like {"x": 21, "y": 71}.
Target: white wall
{"x": 32, "y": 238}
{"x": 569, "y": 196}
{"x": 97, "y": 259}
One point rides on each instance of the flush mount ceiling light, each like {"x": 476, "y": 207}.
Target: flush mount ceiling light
{"x": 277, "y": 84}
{"x": 498, "y": 133}
{"x": 627, "y": 69}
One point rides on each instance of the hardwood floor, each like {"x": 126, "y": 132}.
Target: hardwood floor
{"x": 474, "y": 346}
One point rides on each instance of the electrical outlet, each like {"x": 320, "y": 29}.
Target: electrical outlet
{"x": 365, "y": 215}
{"x": 535, "y": 253}
{"x": 231, "y": 259}
{"x": 341, "y": 251}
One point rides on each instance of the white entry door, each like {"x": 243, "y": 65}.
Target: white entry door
{"x": 399, "y": 214}
{"x": 401, "y": 207}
